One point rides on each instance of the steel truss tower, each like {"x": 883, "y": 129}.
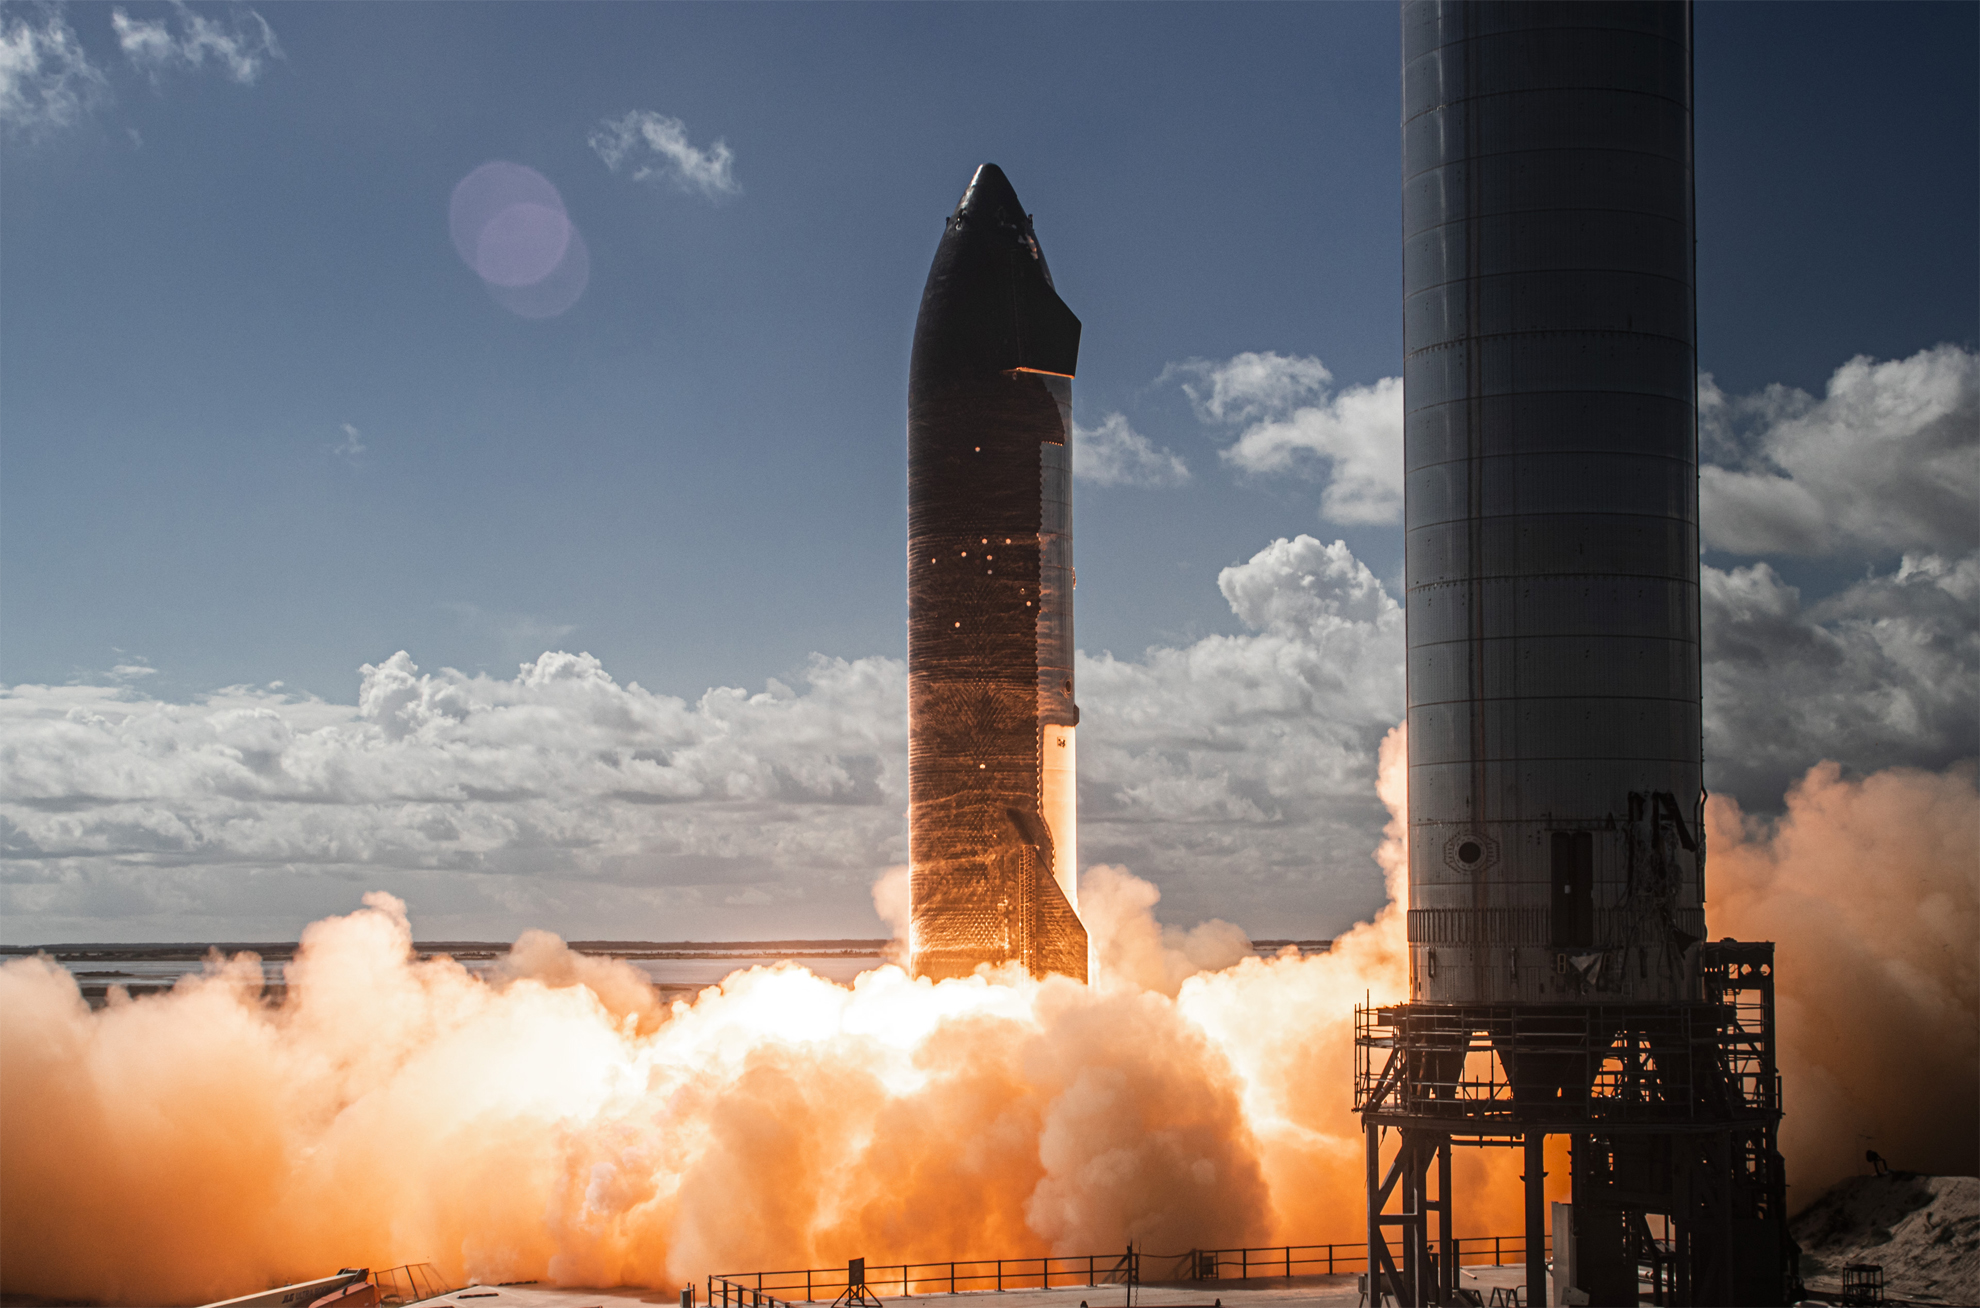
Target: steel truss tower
{"x": 1672, "y": 1109}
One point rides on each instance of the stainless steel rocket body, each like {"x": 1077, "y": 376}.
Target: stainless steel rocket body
{"x": 991, "y": 717}
{"x": 1551, "y": 518}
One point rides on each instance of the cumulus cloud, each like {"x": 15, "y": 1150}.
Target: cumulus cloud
{"x": 657, "y": 148}
{"x": 351, "y": 446}
{"x": 1238, "y": 771}
{"x": 1115, "y": 454}
{"x": 47, "y": 81}
{"x": 1290, "y": 420}
{"x": 1250, "y": 386}
{"x": 240, "y": 47}
{"x": 1232, "y": 768}
{"x": 502, "y": 795}
{"x": 1888, "y": 459}
{"x": 1881, "y": 674}
{"x": 1884, "y": 673}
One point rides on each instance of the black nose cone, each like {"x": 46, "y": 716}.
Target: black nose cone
{"x": 989, "y": 305}
{"x": 990, "y": 198}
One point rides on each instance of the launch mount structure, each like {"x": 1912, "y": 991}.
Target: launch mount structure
{"x": 1560, "y": 980}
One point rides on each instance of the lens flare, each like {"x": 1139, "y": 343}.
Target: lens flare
{"x": 556, "y": 292}
{"x": 509, "y": 225}
{"x": 522, "y": 245}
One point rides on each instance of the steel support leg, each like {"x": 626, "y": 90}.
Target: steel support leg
{"x": 1536, "y": 1219}
{"x": 1377, "y": 1244}
{"x": 1447, "y": 1276}
{"x": 1411, "y": 1185}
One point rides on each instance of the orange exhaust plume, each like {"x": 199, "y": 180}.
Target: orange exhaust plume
{"x": 555, "y": 1122}
{"x": 1872, "y": 889}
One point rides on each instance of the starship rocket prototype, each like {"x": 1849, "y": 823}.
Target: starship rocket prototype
{"x": 992, "y": 846}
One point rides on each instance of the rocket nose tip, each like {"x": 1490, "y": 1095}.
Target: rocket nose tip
{"x": 988, "y": 191}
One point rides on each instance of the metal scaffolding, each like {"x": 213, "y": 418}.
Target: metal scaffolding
{"x": 1673, "y": 1112}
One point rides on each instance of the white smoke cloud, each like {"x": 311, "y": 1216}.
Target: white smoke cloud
{"x": 657, "y": 148}
{"x": 1887, "y": 460}
{"x": 1293, "y": 423}
{"x": 47, "y": 81}
{"x": 240, "y": 48}
{"x": 1115, "y": 454}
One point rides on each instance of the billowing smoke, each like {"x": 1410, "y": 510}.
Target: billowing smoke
{"x": 1871, "y": 888}
{"x": 555, "y": 1122}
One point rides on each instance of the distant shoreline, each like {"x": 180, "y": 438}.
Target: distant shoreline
{"x": 168, "y": 951}
{"x": 675, "y": 968}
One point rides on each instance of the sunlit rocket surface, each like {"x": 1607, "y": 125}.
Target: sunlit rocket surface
{"x": 992, "y": 844}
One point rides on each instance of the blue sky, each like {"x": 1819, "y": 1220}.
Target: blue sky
{"x": 259, "y": 422}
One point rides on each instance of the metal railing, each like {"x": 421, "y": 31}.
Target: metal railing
{"x": 1326, "y": 1259}
{"x": 779, "y": 1289}
{"x": 408, "y": 1283}
{"x": 776, "y": 1288}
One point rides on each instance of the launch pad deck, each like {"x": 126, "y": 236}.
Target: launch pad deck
{"x": 1256, "y": 1292}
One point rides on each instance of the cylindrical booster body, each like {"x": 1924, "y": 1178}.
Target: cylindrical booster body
{"x": 991, "y": 716}
{"x": 1551, "y": 517}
